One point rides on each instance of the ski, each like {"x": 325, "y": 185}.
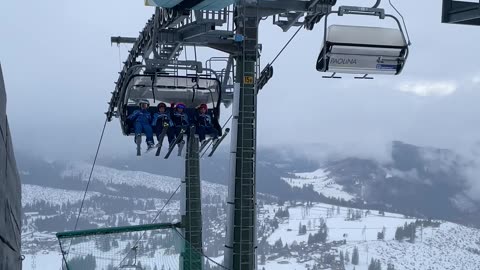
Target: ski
{"x": 160, "y": 139}
{"x": 218, "y": 142}
{"x": 204, "y": 144}
{"x": 138, "y": 141}
{"x": 175, "y": 142}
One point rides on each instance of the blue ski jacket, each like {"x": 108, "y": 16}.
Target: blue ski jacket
{"x": 204, "y": 120}
{"x": 142, "y": 116}
{"x": 162, "y": 117}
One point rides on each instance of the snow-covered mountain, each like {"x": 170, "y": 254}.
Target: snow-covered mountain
{"x": 422, "y": 182}
{"x": 319, "y": 212}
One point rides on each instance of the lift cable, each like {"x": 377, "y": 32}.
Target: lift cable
{"x": 89, "y": 180}
{"x": 286, "y": 45}
{"x": 152, "y": 222}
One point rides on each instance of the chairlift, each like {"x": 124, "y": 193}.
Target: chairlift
{"x": 192, "y": 90}
{"x": 362, "y": 50}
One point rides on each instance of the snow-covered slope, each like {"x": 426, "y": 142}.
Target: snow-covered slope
{"x": 321, "y": 183}
{"x": 450, "y": 246}
{"x": 135, "y": 178}
{"x": 56, "y": 196}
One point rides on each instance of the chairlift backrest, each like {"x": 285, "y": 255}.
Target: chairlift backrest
{"x": 192, "y": 91}
{"x": 363, "y": 50}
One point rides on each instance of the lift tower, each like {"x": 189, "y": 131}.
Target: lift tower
{"x": 241, "y": 230}
{"x": 158, "y": 48}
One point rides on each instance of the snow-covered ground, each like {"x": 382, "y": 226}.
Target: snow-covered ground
{"x": 321, "y": 183}
{"x": 136, "y": 178}
{"x": 448, "y": 247}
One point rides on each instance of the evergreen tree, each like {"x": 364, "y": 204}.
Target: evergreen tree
{"x": 399, "y": 234}
{"x": 263, "y": 259}
{"x": 372, "y": 265}
{"x": 279, "y": 244}
{"x": 347, "y": 256}
{"x": 390, "y": 267}
{"x": 342, "y": 258}
{"x": 355, "y": 256}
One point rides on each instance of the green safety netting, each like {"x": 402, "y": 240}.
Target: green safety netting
{"x": 143, "y": 247}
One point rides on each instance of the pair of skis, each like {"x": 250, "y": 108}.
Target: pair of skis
{"x": 161, "y": 137}
{"x": 181, "y": 143}
{"x": 215, "y": 144}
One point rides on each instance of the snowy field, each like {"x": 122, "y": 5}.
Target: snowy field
{"x": 321, "y": 183}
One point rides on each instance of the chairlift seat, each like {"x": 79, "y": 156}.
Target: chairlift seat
{"x": 363, "y": 50}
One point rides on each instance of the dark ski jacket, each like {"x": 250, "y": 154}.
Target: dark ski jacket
{"x": 180, "y": 119}
{"x": 161, "y": 118}
{"x": 204, "y": 120}
{"x": 142, "y": 116}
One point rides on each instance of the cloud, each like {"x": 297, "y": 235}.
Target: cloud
{"x": 425, "y": 88}
{"x": 476, "y": 79}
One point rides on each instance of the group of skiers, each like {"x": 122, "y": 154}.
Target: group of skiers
{"x": 173, "y": 123}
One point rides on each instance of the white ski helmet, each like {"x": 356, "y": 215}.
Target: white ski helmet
{"x": 143, "y": 101}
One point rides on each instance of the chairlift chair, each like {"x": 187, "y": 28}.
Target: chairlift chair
{"x": 156, "y": 88}
{"x": 364, "y": 50}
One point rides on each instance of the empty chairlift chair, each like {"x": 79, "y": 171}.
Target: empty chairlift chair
{"x": 363, "y": 50}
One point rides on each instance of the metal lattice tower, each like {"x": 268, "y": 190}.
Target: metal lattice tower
{"x": 241, "y": 238}
{"x": 192, "y": 208}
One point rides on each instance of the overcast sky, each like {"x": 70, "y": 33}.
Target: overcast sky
{"x": 60, "y": 68}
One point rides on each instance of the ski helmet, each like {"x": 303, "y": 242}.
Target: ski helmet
{"x": 203, "y": 106}
{"x": 144, "y": 101}
{"x": 161, "y": 104}
{"x": 180, "y": 106}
